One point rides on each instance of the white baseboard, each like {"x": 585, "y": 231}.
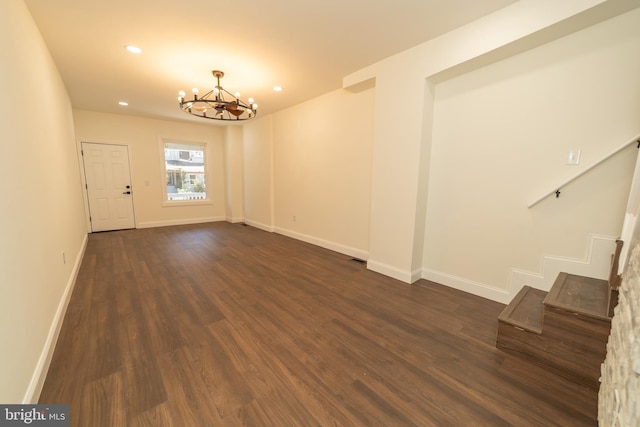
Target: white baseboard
{"x": 337, "y": 247}
{"x": 234, "y": 220}
{"x": 469, "y": 286}
{"x": 259, "y": 225}
{"x": 44, "y": 361}
{"x": 596, "y": 264}
{"x": 393, "y": 272}
{"x": 151, "y": 224}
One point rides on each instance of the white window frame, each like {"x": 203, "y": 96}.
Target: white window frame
{"x": 163, "y": 169}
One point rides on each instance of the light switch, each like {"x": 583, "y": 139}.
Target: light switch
{"x": 573, "y": 158}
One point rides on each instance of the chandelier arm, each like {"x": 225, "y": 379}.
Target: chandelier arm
{"x": 214, "y": 103}
{"x": 206, "y": 95}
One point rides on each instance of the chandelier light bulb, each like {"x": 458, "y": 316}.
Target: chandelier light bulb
{"x": 237, "y": 94}
{"x": 250, "y": 100}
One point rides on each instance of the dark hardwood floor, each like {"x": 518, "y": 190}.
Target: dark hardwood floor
{"x": 227, "y": 325}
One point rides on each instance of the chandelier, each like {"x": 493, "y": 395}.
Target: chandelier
{"x": 218, "y": 103}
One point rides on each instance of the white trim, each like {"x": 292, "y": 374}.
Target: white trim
{"x": 174, "y": 203}
{"x": 152, "y": 224}
{"x": 596, "y": 264}
{"x": 416, "y": 275}
{"x": 234, "y": 220}
{"x": 259, "y": 225}
{"x": 32, "y": 395}
{"x": 337, "y": 247}
{"x": 469, "y": 286}
{"x": 390, "y": 271}
{"x": 631, "y": 217}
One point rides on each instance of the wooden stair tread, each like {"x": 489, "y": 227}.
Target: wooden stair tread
{"x": 575, "y": 314}
{"x": 525, "y": 310}
{"x": 583, "y": 295}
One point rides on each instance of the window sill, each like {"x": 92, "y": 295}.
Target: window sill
{"x": 174, "y": 203}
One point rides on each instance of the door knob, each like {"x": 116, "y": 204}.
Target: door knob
{"x": 127, "y": 192}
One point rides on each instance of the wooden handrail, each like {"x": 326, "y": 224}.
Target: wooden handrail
{"x": 614, "y": 278}
{"x": 556, "y": 190}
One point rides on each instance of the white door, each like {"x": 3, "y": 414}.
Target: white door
{"x": 106, "y": 169}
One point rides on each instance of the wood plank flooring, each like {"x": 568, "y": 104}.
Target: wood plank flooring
{"x": 226, "y": 325}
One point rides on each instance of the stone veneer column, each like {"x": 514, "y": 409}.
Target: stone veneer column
{"x": 619, "y": 395}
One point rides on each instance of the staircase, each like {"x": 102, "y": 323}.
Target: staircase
{"x": 565, "y": 330}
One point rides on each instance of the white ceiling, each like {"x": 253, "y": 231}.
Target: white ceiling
{"x": 304, "y": 46}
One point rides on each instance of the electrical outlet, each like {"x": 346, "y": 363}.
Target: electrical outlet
{"x": 294, "y": 218}
{"x": 64, "y": 258}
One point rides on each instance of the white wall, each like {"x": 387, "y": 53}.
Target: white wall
{"x": 143, "y": 136}
{"x": 322, "y": 170}
{"x": 501, "y": 138}
{"x": 312, "y": 162}
{"x": 234, "y": 173}
{"x": 258, "y": 172}
{"x": 405, "y": 151}
{"x": 451, "y": 170}
{"x": 42, "y": 212}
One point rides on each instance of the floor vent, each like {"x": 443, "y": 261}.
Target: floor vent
{"x": 361, "y": 261}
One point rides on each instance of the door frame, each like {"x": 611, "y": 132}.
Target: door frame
{"x": 83, "y": 179}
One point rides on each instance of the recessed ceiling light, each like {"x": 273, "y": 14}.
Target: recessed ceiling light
{"x": 277, "y": 88}
{"x": 123, "y": 103}
{"x": 133, "y": 49}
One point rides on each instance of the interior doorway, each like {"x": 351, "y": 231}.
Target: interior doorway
{"x": 108, "y": 184}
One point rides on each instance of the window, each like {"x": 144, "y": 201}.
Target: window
{"x": 185, "y": 171}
